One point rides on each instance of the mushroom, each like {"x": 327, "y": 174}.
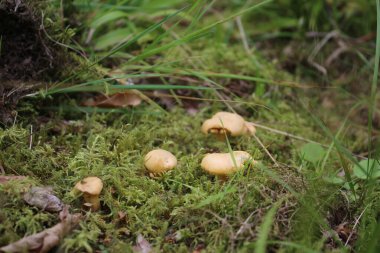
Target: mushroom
{"x": 91, "y": 188}
{"x": 222, "y": 164}
{"x": 229, "y": 123}
{"x": 159, "y": 161}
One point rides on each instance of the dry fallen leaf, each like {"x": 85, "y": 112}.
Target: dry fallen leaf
{"x": 199, "y": 248}
{"x": 343, "y": 230}
{"x": 48, "y": 238}
{"x": 4, "y": 179}
{"x": 117, "y": 100}
{"x": 43, "y": 198}
{"x": 142, "y": 245}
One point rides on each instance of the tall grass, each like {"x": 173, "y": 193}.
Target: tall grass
{"x": 109, "y": 13}
{"x": 373, "y": 245}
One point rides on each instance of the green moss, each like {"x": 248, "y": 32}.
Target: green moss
{"x": 185, "y": 203}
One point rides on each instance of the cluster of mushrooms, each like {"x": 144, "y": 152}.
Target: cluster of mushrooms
{"x": 159, "y": 161}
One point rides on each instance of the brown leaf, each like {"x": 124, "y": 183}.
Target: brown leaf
{"x": 5, "y": 179}
{"x": 199, "y": 248}
{"x": 122, "y": 216}
{"x": 117, "y": 100}
{"x": 43, "y": 198}
{"x": 343, "y": 230}
{"x": 142, "y": 245}
{"x": 46, "y": 239}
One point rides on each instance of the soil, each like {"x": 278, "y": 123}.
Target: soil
{"x": 27, "y": 59}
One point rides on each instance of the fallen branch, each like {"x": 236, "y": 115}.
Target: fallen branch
{"x": 48, "y": 238}
{"x": 5, "y": 179}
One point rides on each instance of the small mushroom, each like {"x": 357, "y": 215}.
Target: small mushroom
{"x": 230, "y": 123}
{"x": 222, "y": 164}
{"x": 159, "y": 161}
{"x": 91, "y": 188}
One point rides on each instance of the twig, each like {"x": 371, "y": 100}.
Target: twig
{"x": 5, "y": 179}
{"x": 245, "y": 223}
{"x": 296, "y": 137}
{"x": 356, "y": 223}
{"x": 266, "y": 150}
{"x": 287, "y": 134}
{"x": 318, "y": 48}
{"x": 334, "y": 55}
{"x": 31, "y": 137}
{"x": 47, "y": 239}
{"x": 243, "y": 35}
{"x": 321, "y": 44}
{"x": 2, "y": 169}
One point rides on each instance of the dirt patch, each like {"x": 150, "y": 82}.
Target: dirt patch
{"x": 28, "y": 58}
{"x": 25, "y": 52}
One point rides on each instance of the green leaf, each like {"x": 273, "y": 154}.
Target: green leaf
{"x": 112, "y": 38}
{"x": 108, "y": 17}
{"x": 312, "y": 152}
{"x": 334, "y": 180}
{"x": 366, "y": 167}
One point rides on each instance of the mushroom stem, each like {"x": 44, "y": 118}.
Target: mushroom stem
{"x": 222, "y": 178}
{"x": 91, "y": 188}
{"x": 93, "y": 200}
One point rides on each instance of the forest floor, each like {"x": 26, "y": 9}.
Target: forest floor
{"x": 306, "y": 193}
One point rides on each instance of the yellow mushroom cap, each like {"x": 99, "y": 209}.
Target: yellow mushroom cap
{"x": 159, "y": 160}
{"x": 222, "y": 164}
{"x": 232, "y": 123}
{"x": 90, "y": 185}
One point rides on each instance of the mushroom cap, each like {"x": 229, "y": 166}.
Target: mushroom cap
{"x": 90, "y": 185}
{"x": 233, "y": 123}
{"x": 222, "y": 164}
{"x": 159, "y": 160}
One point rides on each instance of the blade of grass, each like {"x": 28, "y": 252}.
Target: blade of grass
{"x": 193, "y": 72}
{"x": 374, "y": 244}
{"x": 100, "y": 110}
{"x": 331, "y": 146}
{"x": 372, "y": 101}
{"x": 342, "y": 152}
{"x": 119, "y": 88}
{"x": 265, "y": 228}
{"x": 293, "y": 245}
{"x": 201, "y": 10}
{"x": 199, "y": 33}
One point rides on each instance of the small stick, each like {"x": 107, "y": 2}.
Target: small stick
{"x": 356, "y": 223}
{"x": 2, "y": 169}
{"x": 287, "y": 134}
{"x": 266, "y": 150}
{"x": 296, "y": 137}
{"x": 31, "y": 137}
{"x": 243, "y": 35}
